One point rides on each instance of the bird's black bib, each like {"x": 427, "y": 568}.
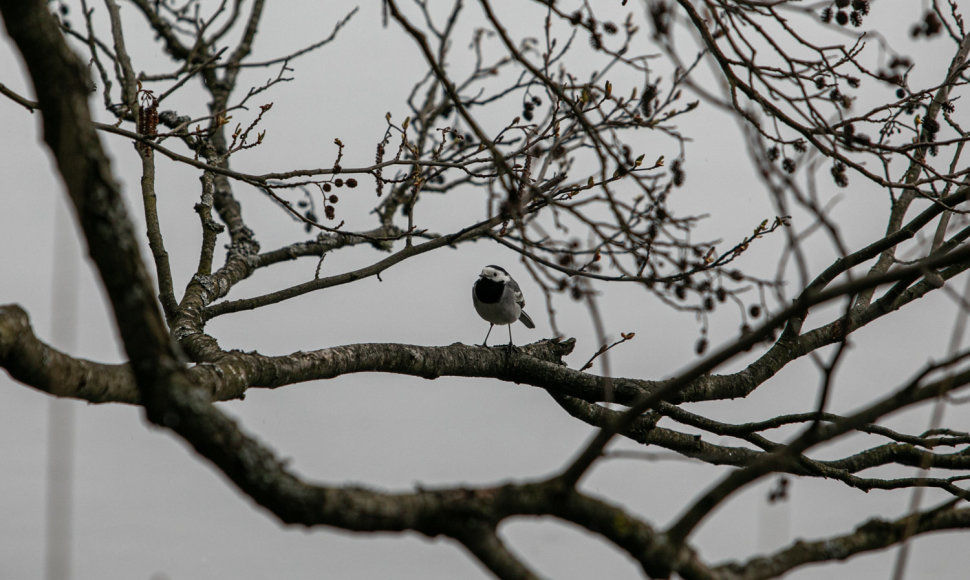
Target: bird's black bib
{"x": 488, "y": 291}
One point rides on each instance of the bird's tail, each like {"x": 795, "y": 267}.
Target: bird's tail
{"x": 526, "y": 320}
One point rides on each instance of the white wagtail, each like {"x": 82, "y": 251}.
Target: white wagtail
{"x": 499, "y": 300}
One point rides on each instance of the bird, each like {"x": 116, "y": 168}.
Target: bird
{"x": 498, "y": 299}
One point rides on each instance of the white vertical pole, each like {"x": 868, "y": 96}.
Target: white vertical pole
{"x": 60, "y": 429}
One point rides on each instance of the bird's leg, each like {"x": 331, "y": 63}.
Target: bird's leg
{"x": 485, "y": 343}
{"x": 511, "y": 346}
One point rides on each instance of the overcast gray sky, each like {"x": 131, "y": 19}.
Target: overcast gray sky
{"x": 146, "y": 507}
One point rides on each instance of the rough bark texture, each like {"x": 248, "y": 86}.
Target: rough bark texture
{"x": 176, "y": 370}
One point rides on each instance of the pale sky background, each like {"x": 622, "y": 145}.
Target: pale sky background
{"x": 146, "y": 507}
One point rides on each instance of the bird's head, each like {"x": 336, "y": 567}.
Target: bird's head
{"x": 495, "y": 274}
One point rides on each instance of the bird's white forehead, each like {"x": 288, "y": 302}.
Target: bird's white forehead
{"x": 494, "y": 273}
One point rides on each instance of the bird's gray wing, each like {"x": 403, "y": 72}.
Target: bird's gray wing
{"x": 513, "y": 287}
{"x": 516, "y": 292}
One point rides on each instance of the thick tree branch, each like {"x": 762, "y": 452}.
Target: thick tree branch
{"x": 60, "y": 83}
{"x": 914, "y": 391}
{"x": 874, "y": 534}
{"x": 34, "y": 363}
{"x": 572, "y": 122}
